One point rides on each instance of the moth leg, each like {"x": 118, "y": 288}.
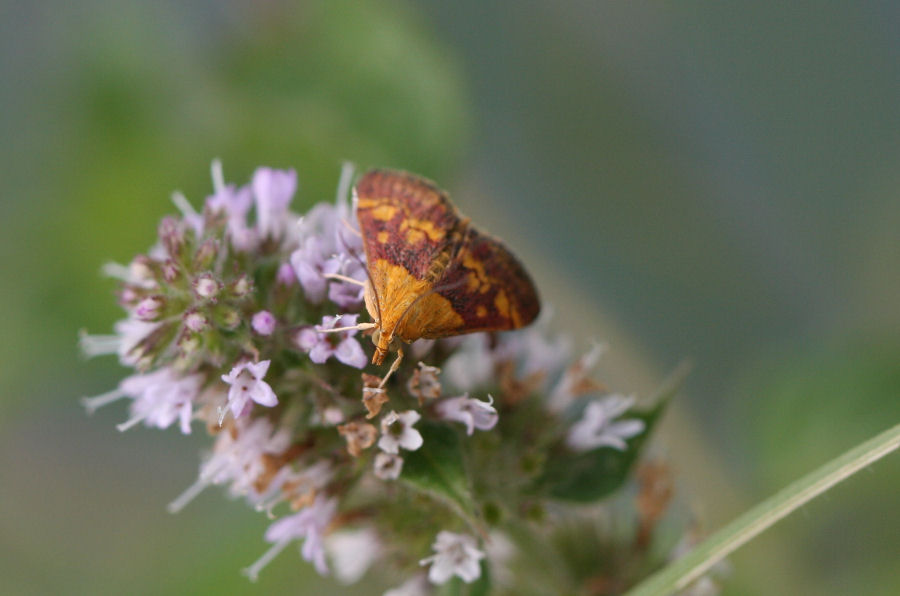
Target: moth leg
{"x": 359, "y": 327}
{"x": 394, "y": 366}
{"x": 343, "y": 278}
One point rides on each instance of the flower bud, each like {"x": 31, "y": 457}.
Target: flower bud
{"x": 206, "y": 254}
{"x": 149, "y": 308}
{"x": 195, "y": 321}
{"x": 229, "y": 318}
{"x": 206, "y": 286}
{"x": 172, "y": 236}
{"x": 242, "y": 287}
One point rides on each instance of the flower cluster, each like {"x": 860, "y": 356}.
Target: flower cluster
{"x": 244, "y": 318}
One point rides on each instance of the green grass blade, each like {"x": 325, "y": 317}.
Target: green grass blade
{"x": 689, "y": 568}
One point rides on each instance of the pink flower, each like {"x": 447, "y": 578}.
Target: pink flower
{"x": 273, "y": 191}
{"x": 308, "y": 524}
{"x": 263, "y": 322}
{"x": 246, "y": 385}
{"x": 159, "y": 398}
{"x": 341, "y": 345}
{"x": 472, "y": 412}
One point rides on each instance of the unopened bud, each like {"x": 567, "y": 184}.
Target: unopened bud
{"x": 206, "y": 286}
{"x": 171, "y": 236}
{"x": 206, "y": 254}
{"x": 242, "y": 286}
{"x": 148, "y": 309}
{"x": 195, "y": 321}
{"x": 230, "y": 318}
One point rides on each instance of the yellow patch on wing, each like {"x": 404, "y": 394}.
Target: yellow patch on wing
{"x": 481, "y": 311}
{"x": 501, "y": 301}
{"x": 414, "y": 236}
{"x": 384, "y": 212}
{"x": 383, "y": 236}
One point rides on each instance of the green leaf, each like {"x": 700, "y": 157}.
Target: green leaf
{"x": 480, "y": 587}
{"x": 587, "y": 477}
{"x": 437, "y": 469}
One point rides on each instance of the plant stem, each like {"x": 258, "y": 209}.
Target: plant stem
{"x": 681, "y": 573}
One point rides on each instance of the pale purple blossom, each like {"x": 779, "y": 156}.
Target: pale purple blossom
{"x": 388, "y": 466}
{"x": 129, "y": 334}
{"x": 455, "y": 554}
{"x": 272, "y": 191}
{"x": 341, "y": 345}
{"x": 310, "y": 265}
{"x": 286, "y": 275}
{"x": 309, "y": 525}
{"x": 148, "y": 308}
{"x": 346, "y": 295}
{"x": 598, "y": 426}
{"x": 263, "y": 322}
{"x": 397, "y": 432}
{"x": 328, "y": 245}
{"x": 474, "y": 413}
{"x": 158, "y": 398}
{"x": 246, "y": 380}
{"x": 235, "y": 202}
{"x": 238, "y": 460}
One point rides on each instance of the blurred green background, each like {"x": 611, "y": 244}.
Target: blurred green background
{"x": 684, "y": 180}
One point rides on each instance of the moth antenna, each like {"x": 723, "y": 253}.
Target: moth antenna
{"x": 358, "y": 327}
{"x": 353, "y": 254}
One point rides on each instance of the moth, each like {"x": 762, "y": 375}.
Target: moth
{"x": 431, "y": 274}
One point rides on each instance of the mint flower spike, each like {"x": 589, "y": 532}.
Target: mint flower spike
{"x": 229, "y": 312}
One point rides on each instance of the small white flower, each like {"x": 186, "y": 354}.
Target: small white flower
{"x": 352, "y": 553}
{"x": 397, "y": 431}
{"x": 247, "y": 384}
{"x": 455, "y": 554}
{"x": 474, "y": 413}
{"x": 598, "y": 427}
{"x": 388, "y": 466}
